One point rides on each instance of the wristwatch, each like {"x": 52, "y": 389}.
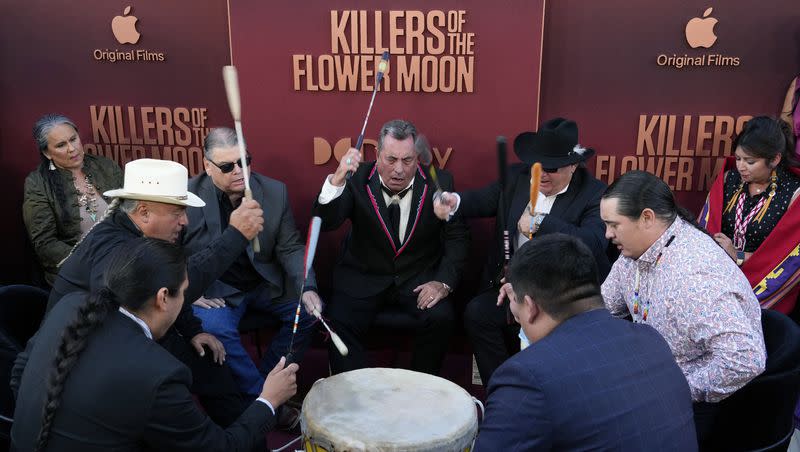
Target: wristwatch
{"x": 447, "y": 288}
{"x": 739, "y": 258}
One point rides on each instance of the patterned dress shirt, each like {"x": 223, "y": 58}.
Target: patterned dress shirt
{"x": 702, "y": 304}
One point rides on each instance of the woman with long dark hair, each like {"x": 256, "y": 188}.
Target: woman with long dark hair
{"x": 63, "y": 198}
{"x": 97, "y": 380}
{"x": 752, "y": 213}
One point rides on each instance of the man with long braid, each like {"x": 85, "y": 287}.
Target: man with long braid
{"x": 153, "y": 204}
{"x": 97, "y": 381}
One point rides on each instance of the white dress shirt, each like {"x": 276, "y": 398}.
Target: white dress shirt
{"x": 141, "y": 323}
{"x": 330, "y": 192}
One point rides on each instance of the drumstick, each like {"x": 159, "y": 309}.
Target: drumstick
{"x": 501, "y": 180}
{"x": 536, "y": 181}
{"x": 378, "y": 77}
{"x": 231, "y": 79}
{"x": 311, "y": 250}
{"x": 337, "y": 341}
{"x": 435, "y": 178}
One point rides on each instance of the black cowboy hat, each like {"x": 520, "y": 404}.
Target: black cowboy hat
{"x": 555, "y": 145}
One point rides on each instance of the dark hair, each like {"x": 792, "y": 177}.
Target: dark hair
{"x": 136, "y": 272}
{"x": 764, "y": 137}
{"x": 41, "y": 130}
{"x": 559, "y": 272}
{"x": 639, "y": 190}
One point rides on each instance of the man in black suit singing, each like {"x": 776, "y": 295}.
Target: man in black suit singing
{"x": 568, "y": 202}
{"x": 397, "y": 252}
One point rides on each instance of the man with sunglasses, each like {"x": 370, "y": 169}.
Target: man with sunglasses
{"x": 568, "y": 202}
{"x": 268, "y": 281}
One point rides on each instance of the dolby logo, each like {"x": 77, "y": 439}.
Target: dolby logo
{"x": 124, "y": 30}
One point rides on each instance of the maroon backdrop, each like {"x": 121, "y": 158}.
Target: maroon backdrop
{"x": 47, "y": 56}
{"x": 600, "y": 66}
{"x": 281, "y": 124}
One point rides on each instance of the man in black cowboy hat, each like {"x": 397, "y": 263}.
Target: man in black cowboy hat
{"x": 568, "y": 202}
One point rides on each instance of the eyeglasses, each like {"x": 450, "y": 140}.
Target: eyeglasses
{"x": 550, "y": 170}
{"x": 228, "y": 167}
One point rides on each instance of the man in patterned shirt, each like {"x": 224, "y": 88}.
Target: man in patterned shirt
{"x": 675, "y": 278}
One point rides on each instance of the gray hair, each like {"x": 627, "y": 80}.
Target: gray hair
{"x": 45, "y": 124}
{"x": 217, "y": 138}
{"x": 398, "y": 129}
{"x": 128, "y": 205}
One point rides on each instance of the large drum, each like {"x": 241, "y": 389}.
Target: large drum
{"x": 387, "y": 410}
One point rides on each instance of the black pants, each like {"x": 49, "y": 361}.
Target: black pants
{"x": 493, "y": 338}
{"x": 212, "y": 383}
{"x": 351, "y": 318}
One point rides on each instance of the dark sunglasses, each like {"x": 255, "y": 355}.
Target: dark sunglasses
{"x": 228, "y": 167}
{"x": 550, "y": 170}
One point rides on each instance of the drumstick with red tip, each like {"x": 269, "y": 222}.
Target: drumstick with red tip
{"x": 311, "y": 250}
{"x": 231, "y": 79}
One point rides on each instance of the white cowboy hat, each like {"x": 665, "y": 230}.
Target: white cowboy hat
{"x": 157, "y": 180}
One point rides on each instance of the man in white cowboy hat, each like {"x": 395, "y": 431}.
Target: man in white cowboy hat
{"x": 568, "y": 202}
{"x": 152, "y": 203}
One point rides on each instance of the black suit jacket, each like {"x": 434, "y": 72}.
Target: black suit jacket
{"x": 125, "y": 393}
{"x": 575, "y": 212}
{"x": 371, "y": 261}
{"x": 281, "y": 259}
{"x": 85, "y": 268}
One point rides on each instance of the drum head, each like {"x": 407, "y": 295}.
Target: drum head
{"x": 389, "y": 410}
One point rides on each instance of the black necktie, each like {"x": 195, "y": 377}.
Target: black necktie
{"x": 394, "y": 210}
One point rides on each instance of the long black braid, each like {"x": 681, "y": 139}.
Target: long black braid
{"x": 136, "y": 272}
{"x": 90, "y": 315}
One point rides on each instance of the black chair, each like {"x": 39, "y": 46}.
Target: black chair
{"x": 759, "y": 416}
{"x": 21, "y": 311}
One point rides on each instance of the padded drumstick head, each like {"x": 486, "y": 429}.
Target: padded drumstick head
{"x": 337, "y": 342}
{"x": 536, "y": 182}
{"x": 384, "y": 61}
{"x": 231, "y": 79}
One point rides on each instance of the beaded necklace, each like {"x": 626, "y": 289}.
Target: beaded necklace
{"x": 757, "y": 212}
{"x": 88, "y": 199}
{"x": 641, "y": 308}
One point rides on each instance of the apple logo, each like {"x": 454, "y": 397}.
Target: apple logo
{"x": 700, "y": 32}
{"x": 124, "y": 28}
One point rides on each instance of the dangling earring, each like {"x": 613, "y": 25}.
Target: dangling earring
{"x": 52, "y": 167}
{"x": 774, "y": 185}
